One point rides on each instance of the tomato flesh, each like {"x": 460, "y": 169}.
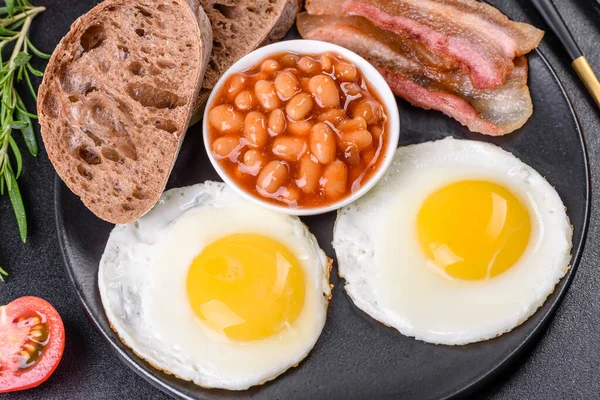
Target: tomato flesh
{"x": 32, "y": 340}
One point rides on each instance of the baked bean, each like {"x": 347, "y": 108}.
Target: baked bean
{"x": 244, "y": 100}
{"x": 286, "y": 85}
{"x": 302, "y": 131}
{"x": 290, "y": 194}
{"x": 322, "y": 143}
{"x": 293, "y": 71}
{"x": 254, "y": 160}
{"x": 325, "y": 91}
{"x": 272, "y": 176}
{"x": 345, "y": 72}
{"x": 350, "y": 88}
{"x": 308, "y": 65}
{"x": 289, "y": 60}
{"x": 368, "y": 109}
{"x": 353, "y": 124}
{"x": 270, "y": 66}
{"x": 300, "y": 128}
{"x": 334, "y": 180}
{"x": 276, "y": 122}
{"x": 368, "y": 155}
{"x": 266, "y": 95}
{"x": 225, "y": 119}
{"x": 227, "y": 146}
{"x": 263, "y": 76}
{"x": 235, "y": 84}
{"x": 255, "y": 129}
{"x": 326, "y": 63}
{"x": 352, "y": 154}
{"x": 289, "y": 148}
{"x": 304, "y": 81}
{"x": 334, "y": 116}
{"x": 361, "y": 138}
{"x": 309, "y": 173}
{"x": 299, "y": 106}
{"x": 376, "y": 131}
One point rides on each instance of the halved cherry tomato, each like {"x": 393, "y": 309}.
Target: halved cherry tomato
{"x": 32, "y": 340}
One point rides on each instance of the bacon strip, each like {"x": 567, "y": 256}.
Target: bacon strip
{"x": 426, "y": 80}
{"x": 473, "y": 35}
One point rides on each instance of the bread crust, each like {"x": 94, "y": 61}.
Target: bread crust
{"x": 285, "y": 21}
{"x": 275, "y": 31}
{"x": 116, "y": 101}
{"x": 206, "y": 34}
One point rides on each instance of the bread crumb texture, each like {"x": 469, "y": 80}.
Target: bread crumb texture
{"x": 116, "y": 100}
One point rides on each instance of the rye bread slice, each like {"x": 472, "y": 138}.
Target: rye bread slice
{"x": 240, "y": 26}
{"x": 116, "y": 100}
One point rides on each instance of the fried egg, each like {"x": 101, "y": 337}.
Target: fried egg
{"x": 214, "y": 289}
{"x": 460, "y": 242}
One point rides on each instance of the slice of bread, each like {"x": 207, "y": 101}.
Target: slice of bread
{"x": 116, "y": 100}
{"x": 240, "y": 26}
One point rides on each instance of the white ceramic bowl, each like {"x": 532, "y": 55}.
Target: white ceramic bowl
{"x": 312, "y": 47}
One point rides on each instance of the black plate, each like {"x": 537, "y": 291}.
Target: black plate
{"x": 356, "y": 357}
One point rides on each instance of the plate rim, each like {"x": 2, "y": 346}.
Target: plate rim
{"x": 468, "y": 388}
{"x": 566, "y": 281}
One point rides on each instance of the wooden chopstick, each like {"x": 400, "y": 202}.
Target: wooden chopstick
{"x": 578, "y": 61}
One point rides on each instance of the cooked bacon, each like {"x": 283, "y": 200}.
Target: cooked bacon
{"x": 426, "y": 80}
{"x": 467, "y": 33}
{"x": 476, "y": 114}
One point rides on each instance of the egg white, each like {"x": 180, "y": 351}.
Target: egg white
{"x": 385, "y": 270}
{"x": 142, "y": 282}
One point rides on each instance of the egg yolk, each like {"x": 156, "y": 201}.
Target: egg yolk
{"x": 473, "y": 230}
{"x": 246, "y": 286}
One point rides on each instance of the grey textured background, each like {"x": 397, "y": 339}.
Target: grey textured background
{"x": 564, "y": 364}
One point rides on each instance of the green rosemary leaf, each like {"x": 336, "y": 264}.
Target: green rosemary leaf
{"x": 6, "y": 77}
{"x": 6, "y": 175}
{"x": 3, "y": 273}
{"x": 17, "y": 154}
{"x": 30, "y": 86}
{"x": 17, "y": 203}
{"x": 22, "y": 59}
{"x": 6, "y": 95}
{"x": 7, "y": 32}
{"x": 30, "y": 115}
{"x": 17, "y": 124}
{"x": 16, "y": 53}
{"x": 16, "y": 25}
{"x": 34, "y": 71}
{"x": 28, "y": 132}
{"x": 10, "y": 7}
{"x": 37, "y": 52}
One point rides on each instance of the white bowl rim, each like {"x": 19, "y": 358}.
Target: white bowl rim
{"x": 302, "y": 46}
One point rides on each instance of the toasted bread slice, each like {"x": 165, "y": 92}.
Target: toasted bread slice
{"x": 117, "y": 97}
{"x": 240, "y": 26}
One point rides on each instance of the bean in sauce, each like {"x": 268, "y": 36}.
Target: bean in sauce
{"x": 301, "y": 130}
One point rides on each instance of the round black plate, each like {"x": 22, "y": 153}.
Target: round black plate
{"x": 356, "y": 357}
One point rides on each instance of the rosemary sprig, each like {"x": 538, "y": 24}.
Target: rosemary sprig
{"x": 16, "y": 17}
